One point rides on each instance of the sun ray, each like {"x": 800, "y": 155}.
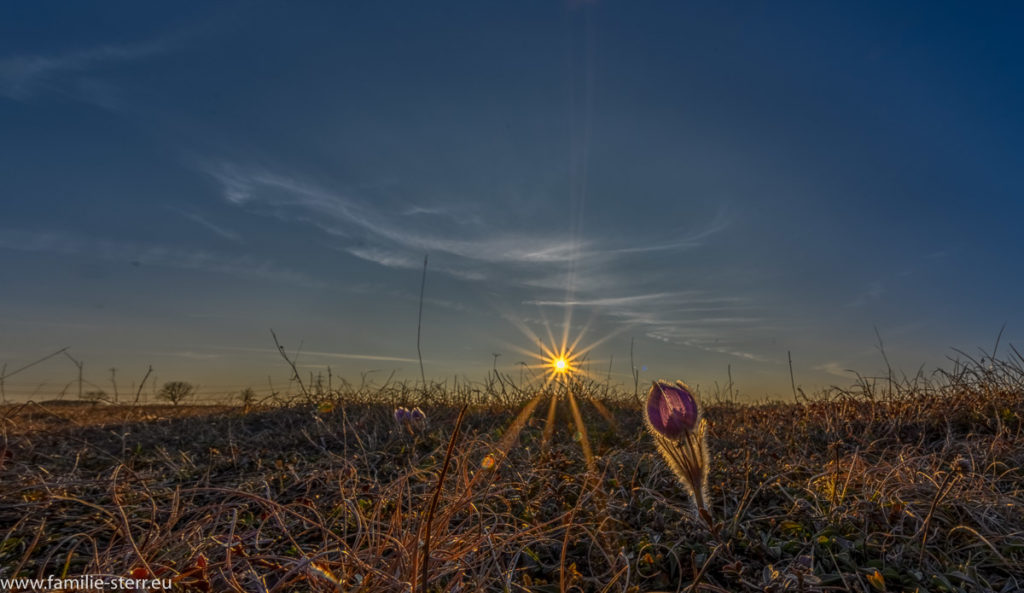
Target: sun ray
{"x": 605, "y": 413}
{"x": 512, "y": 433}
{"x": 549, "y": 425}
{"x": 565, "y": 329}
{"x": 581, "y": 430}
{"x": 579, "y": 337}
{"x": 591, "y": 345}
{"x": 562, "y": 367}
{"x": 547, "y": 328}
{"x": 526, "y": 331}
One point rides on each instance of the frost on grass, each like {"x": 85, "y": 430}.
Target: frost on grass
{"x": 902, "y": 486}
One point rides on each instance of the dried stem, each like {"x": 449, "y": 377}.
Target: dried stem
{"x": 424, "y": 563}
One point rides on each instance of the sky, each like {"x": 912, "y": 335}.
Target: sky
{"x": 713, "y": 187}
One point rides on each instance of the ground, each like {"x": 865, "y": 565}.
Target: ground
{"x": 908, "y": 486}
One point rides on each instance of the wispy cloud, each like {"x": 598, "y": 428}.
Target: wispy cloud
{"x": 689, "y": 241}
{"x": 23, "y": 76}
{"x": 589, "y": 277}
{"x": 460, "y": 212}
{"x": 188, "y": 354}
{"x": 623, "y": 301}
{"x": 835, "y": 369}
{"x": 385, "y": 257}
{"x": 409, "y": 261}
{"x": 592, "y": 271}
{"x": 155, "y": 255}
{"x": 344, "y": 216}
{"x": 210, "y": 226}
{"x": 719, "y": 349}
{"x": 316, "y": 354}
{"x": 696, "y": 319}
{"x": 392, "y": 241}
{"x": 378, "y": 289}
{"x": 740, "y": 337}
{"x": 361, "y": 356}
{"x": 871, "y": 294}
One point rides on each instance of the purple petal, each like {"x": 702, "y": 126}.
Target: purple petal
{"x": 671, "y": 409}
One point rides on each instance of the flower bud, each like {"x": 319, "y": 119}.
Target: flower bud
{"x": 671, "y": 409}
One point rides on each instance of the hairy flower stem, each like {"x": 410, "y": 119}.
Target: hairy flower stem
{"x": 687, "y": 457}
{"x": 673, "y": 419}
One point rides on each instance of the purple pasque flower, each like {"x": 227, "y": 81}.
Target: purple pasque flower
{"x": 671, "y": 409}
{"x": 410, "y": 420}
{"x": 681, "y": 436}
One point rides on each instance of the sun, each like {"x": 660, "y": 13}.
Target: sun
{"x": 558, "y": 361}
{"x": 563, "y": 366}
{"x": 560, "y": 364}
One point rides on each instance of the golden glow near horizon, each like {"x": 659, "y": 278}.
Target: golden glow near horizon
{"x": 561, "y": 365}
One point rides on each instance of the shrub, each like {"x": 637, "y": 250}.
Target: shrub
{"x": 176, "y": 391}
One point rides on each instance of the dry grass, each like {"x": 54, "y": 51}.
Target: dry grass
{"x": 899, "y": 485}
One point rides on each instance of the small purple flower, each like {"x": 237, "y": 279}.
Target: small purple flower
{"x": 681, "y": 436}
{"x": 401, "y": 416}
{"x": 671, "y": 409}
{"x": 417, "y": 415}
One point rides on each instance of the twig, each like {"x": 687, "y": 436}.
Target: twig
{"x": 78, "y": 364}
{"x": 704, "y": 568}
{"x": 433, "y": 503}
{"x": 142, "y": 384}
{"x": 565, "y": 544}
{"x": 113, "y": 380}
{"x": 34, "y": 363}
{"x": 635, "y": 371}
{"x": 885, "y": 358}
{"x": 419, "y": 323}
{"x": 291, "y": 363}
{"x": 939, "y": 495}
{"x": 792, "y": 381}
{"x": 4, "y": 374}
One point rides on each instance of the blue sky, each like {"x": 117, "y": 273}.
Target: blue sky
{"x": 716, "y": 184}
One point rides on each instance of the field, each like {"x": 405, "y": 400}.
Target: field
{"x": 907, "y": 484}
